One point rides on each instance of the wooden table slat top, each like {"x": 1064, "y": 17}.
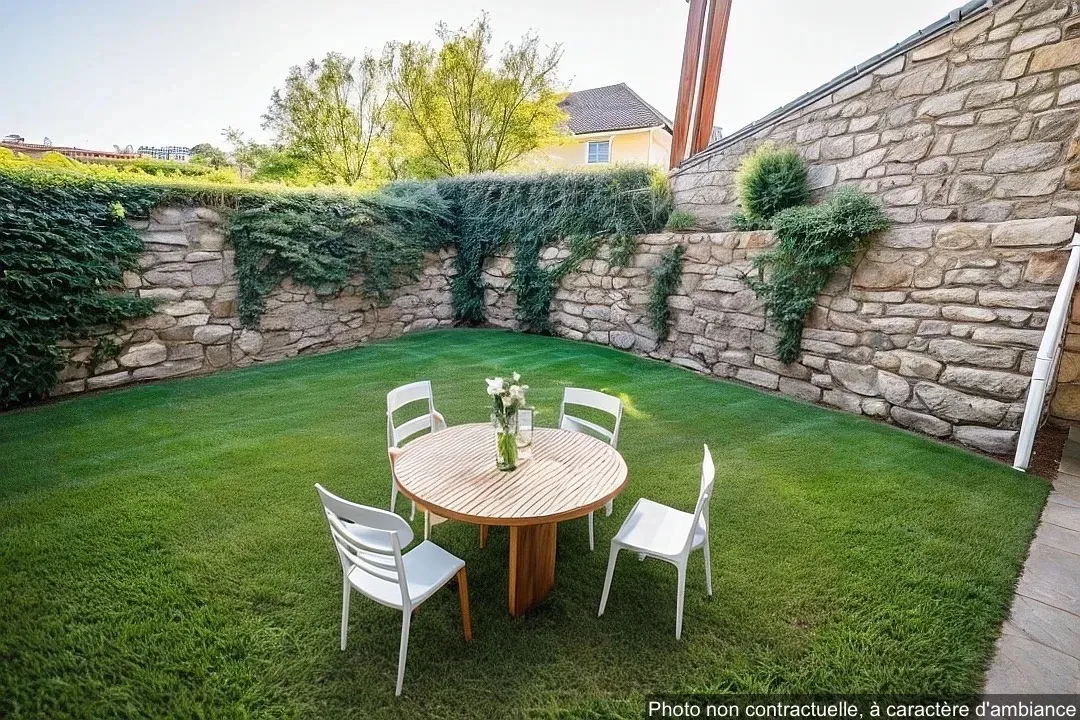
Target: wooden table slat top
{"x": 452, "y": 472}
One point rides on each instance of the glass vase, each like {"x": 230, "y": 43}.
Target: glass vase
{"x": 506, "y": 450}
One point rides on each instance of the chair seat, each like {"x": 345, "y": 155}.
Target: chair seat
{"x": 427, "y": 568}
{"x": 657, "y": 529}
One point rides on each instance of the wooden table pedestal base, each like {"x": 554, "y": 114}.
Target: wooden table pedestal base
{"x": 532, "y": 565}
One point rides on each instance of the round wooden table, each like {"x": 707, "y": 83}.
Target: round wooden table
{"x": 452, "y": 473}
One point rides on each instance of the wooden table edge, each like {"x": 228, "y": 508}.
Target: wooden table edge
{"x": 532, "y": 520}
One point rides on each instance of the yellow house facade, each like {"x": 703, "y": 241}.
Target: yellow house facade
{"x": 611, "y": 124}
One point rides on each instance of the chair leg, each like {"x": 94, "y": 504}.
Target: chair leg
{"x": 427, "y": 525}
{"x": 393, "y": 496}
{"x": 412, "y": 513}
{"x": 609, "y": 507}
{"x": 607, "y": 578}
{"x": 346, "y": 591}
{"x": 708, "y": 567}
{"x": 463, "y": 599}
{"x": 679, "y": 602}
{"x": 483, "y": 536}
{"x": 405, "y": 618}
{"x": 592, "y": 544}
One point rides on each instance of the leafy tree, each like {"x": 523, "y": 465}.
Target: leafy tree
{"x": 454, "y": 112}
{"x": 329, "y": 113}
{"x": 207, "y": 154}
{"x": 271, "y": 163}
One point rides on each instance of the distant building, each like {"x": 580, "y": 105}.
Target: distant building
{"x": 36, "y": 150}
{"x": 169, "y": 152}
{"x": 611, "y": 124}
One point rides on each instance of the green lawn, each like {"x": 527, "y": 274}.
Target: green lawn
{"x": 163, "y": 551}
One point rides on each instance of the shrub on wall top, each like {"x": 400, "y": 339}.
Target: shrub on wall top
{"x": 769, "y": 180}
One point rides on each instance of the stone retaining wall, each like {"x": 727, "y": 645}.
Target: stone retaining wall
{"x": 189, "y": 270}
{"x": 935, "y": 330}
{"x": 978, "y": 125}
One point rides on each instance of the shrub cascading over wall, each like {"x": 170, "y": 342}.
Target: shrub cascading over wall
{"x": 66, "y": 246}
{"x": 529, "y": 212}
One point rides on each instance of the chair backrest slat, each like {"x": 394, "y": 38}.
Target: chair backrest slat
{"x": 367, "y": 539}
{"x": 701, "y": 510}
{"x": 399, "y": 397}
{"x": 584, "y": 397}
{"x": 406, "y": 430}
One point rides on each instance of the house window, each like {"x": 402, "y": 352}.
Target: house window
{"x": 599, "y": 152}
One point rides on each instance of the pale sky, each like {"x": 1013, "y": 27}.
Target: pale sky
{"x": 106, "y": 72}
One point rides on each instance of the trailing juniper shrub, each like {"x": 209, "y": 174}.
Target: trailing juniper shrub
{"x": 811, "y": 243}
{"x": 666, "y": 277}
{"x": 769, "y": 180}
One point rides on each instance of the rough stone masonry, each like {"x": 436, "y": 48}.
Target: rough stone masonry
{"x": 188, "y": 269}
{"x": 972, "y": 128}
{"x": 971, "y": 142}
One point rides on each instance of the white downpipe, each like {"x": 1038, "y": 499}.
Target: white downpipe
{"x": 1046, "y": 359}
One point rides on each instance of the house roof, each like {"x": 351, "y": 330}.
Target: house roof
{"x": 946, "y": 24}
{"x": 612, "y": 107}
{"x": 72, "y": 152}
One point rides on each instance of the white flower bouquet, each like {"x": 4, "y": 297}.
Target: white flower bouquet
{"x": 507, "y": 398}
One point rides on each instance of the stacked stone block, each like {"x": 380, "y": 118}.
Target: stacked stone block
{"x": 935, "y": 329}
{"x": 188, "y": 269}
{"x": 979, "y": 125}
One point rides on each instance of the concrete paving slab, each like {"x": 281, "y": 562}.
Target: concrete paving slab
{"x": 1062, "y": 514}
{"x": 1054, "y": 628}
{"x": 1058, "y": 537}
{"x": 1052, "y": 576}
{"x": 1070, "y": 464}
{"x": 1039, "y": 647}
{"x": 1023, "y": 665}
{"x": 1067, "y": 490}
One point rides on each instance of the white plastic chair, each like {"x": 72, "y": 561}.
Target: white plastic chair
{"x": 597, "y": 401}
{"x": 369, "y": 542}
{"x": 398, "y": 435}
{"x": 655, "y": 530}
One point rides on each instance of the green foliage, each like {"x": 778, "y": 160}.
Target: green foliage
{"x": 812, "y": 242}
{"x": 323, "y": 240}
{"x": 455, "y": 111}
{"x": 174, "y": 527}
{"x": 769, "y": 180}
{"x": 65, "y": 244}
{"x": 330, "y": 113}
{"x": 622, "y": 250}
{"x": 137, "y": 170}
{"x": 157, "y": 168}
{"x": 680, "y": 220}
{"x": 63, "y": 247}
{"x": 206, "y": 154}
{"x": 529, "y": 212}
{"x": 745, "y": 222}
{"x": 666, "y": 277}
